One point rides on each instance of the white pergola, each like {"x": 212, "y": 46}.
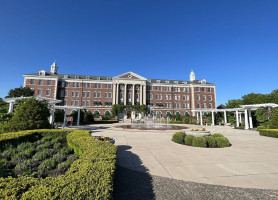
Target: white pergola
{"x": 51, "y": 102}
{"x": 246, "y": 109}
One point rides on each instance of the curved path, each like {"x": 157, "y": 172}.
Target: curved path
{"x": 251, "y": 161}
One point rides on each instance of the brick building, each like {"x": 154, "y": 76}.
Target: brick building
{"x": 99, "y": 93}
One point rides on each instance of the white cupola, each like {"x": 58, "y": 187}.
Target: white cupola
{"x": 54, "y": 68}
{"x": 192, "y": 76}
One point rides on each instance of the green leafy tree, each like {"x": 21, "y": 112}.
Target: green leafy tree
{"x": 20, "y": 92}
{"x": 88, "y": 118}
{"x": 233, "y": 103}
{"x": 273, "y": 97}
{"x": 32, "y": 114}
{"x": 3, "y": 106}
{"x": 263, "y": 115}
{"x": 273, "y": 123}
{"x": 59, "y": 115}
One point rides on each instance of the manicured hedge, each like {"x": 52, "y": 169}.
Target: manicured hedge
{"x": 222, "y": 142}
{"x": 188, "y": 139}
{"x": 178, "y": 137}
{"x": 199, "y": 142}
{"x": 89, "y": 177}
{"x": 211, "y": 141}
{"x": 217, "y": 135}
{"x": 269, "y": 132}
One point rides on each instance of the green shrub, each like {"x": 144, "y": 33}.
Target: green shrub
{"x": 269, "y": 132}
{"x": 64, "y": 165}
{"x": 262, "y": 127}
{"x": 217, "y": 135}
{"x": 210, "y": 141}
{"x": 60, "y": 157}
{"x": 178, "y": 137}
{"x": 57, "y": 145}
{"x": 59, "y": 139}
{"x": 47, "y": 138}
{"x": 9, "y": 153}
{"x": 188, "y": 139}
{"x": 66, "y": 151}
{"x": 45, "y": 145}
{"x": 273, "y": 122}
{"x": 89, "y": 177}
{"x": 23, "y": 146}
{"x": 222, "y": 141}
{"x": 199, "y": 142}
{"x": 48, "y": 164}
{"x": 3, "y": 163}
{"x": 23, "y": 164}
{"x": 44, "y": 154}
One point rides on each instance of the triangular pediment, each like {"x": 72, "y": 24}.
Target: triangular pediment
{"x": 129, "y": 75}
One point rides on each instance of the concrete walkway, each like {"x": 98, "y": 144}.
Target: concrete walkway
{"x": 251, "y": 161}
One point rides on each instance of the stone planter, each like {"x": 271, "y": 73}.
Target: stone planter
{"x": 198, "y": 133}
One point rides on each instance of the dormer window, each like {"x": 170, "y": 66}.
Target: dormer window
{"x": 87, "y": 77}
{"x": 167, "y": 81}
{"x": 185, "y": 83}
{"x": 108, "y": 78}
{"x": 176, "y": 82}
{"x": 77, "y": 77}
{"x": 158, "y": 81}
{"x": 203, "y": 81}
{"x": 149, "y": 80}
{"x": 66, "y": 76}
{"x": 42, "y": 73}
{"x": 98, "y": 78}
{"x": 129, "y": 76}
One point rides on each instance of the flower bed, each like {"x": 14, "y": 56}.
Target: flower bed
{"x": 216, "y": 140}
{"x": 89, "y": 177}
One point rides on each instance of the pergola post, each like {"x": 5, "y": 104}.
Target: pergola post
{"x": 237, "y": 122}
{"x": 78, "y": 117}
{"x": 65, "y": 117}
{"x": 246, "y": 119}
{"x": 240, "y": 119}
{"x": 225, "y": 117}
{"x": 11, "y": 107}
{"x": 51, "y": 119}
{"x": 197, "y": 117}
{"x": 250, "y": 118}
{"x": 201, "y": 119}
{"x": 212, "y": 118}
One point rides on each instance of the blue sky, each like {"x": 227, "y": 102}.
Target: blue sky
{"x": 231, "y": 43}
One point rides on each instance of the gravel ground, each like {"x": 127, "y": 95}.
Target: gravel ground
{"x": 130, "y": 184}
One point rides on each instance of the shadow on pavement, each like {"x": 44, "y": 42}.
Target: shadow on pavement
{"x": 130, "y": 183}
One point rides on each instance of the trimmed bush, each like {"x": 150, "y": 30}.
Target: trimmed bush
{"x": 48, "y": 164}
{"x": 222, "y": 142}
{"x": 178, "y": 137}
{"x": 210, "y": 141}
{"x": 273, "y": 122}
{"x": 89, "y": 177}
{"x": 269, "y": 132}
{"x": 217, "y": 135}
{"x": 188, "y": 140}
{"x": 199, "y": 142}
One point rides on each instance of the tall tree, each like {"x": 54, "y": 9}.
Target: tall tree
{"x": 233, "y": 103}
{"x": 21, "y": 91}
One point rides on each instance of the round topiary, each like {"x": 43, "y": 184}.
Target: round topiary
{"x": 210, "y": 141}
{"x": 199, "y": 142}
{"x": 222, "y": 142}
{"x": 178, "y": 137}
{"x": 217, "y": 135}
{"x": 188, "y": 139}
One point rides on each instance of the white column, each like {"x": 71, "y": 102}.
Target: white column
{"x": 250, "y": 118}
{"x": 145, "y": 94}
{"x": 117, "y": 93}
{"x": 51, "y": 119}
{"x": 125, "y": 94}
{"x": 201, "y": 118}
{"x": 225, "y": 117}
{"x": 237, "y": 122}
{"x": 11, "y": 107}
{"x": 246, "y": 119}
{"x": 197, "y": 116}
{"x": 65, "y": 118}
{"x": 212, "y": 118}
{"x": 78, "y": 117}
{"x": 133, "y": 94}
{"x": 114, "y": 93}
{"x": 240, "y": 119}
{"x": 141, "y": 94}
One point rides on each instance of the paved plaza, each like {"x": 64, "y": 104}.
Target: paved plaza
{"x": 251, "y": 161}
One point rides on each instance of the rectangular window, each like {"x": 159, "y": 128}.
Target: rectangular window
{"x": 209, "y": 89}
{"x": 121, "y": 95}
{"x": 210, "y": 98}
{"x": 105, "y": 95}
{"x": 210, "y": 105}
{"x": 76, "y": 103}
{"x": 63, "y": 84}
{"x": 175, "y": 97}
{"x": 129, "y": 96}
{"x": 160, "y": 97}
{"x": 83, "y": 103}
{"x": 170, "y": 96}
{"x": 205, "y": 105}
{"x": 95, "y": 85}
{"x": 48, "y": 82}
{"x": 77, "y": 94}
{"x": 67, "y": 84}
{"x": 66, "y": 93}
{"x": 136, "y": 96}
{"x": 184, "y": 97}
{"x": 84, "y": 85}
{"x": 77, "y": 84}
{"x": 151, "y": 96}
{"x": 73, "y": 84}
{"x": 198, "y": 89}
{"x": 40, "y": 82}
{"x": 198, "y": 97}
{"x": 48, "y": 92}
{"x": 156, "y": 96}
{"x": 39, "y": 92}
{"x": 179, "y": 97}
{"x": 62, "y": 93}
{"x": 187, "y": 97}
{"x": 99, "y": 85}
{"x": 204, "y": 97}
{"x": 32, "y": 81}
{"x": 99, "y": 95}
{"x": 88, "y": 85}
{"x": 88, "y": 103}
{"x": 198, "y": 105}
{"x": 188, "y": 105}
{"x": 72, "y": 103}
{"x": 95, "y": 94}
{"x": 179, "y": 89}
{"x": 110, "y": 95}
{"x": 73, "y": 94}
{"x": 166, "y": 96}
{"x": 65, "y": 103}
{"x": 84, "y": 94}
{"x": 88, "y": 94}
